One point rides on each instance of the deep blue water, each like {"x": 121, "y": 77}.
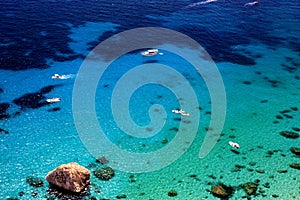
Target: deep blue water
{"x": 256, "y": 49}
{"x": 33, "y": 31}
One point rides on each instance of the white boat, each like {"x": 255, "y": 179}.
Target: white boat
{"x": 150, "y": 52}
{"x": 234, "y": 145}
{"x": 53, "y": 100}
{"x": 56, "y": 76}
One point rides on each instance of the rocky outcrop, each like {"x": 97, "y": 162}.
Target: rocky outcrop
{"x": 71, "y": 177}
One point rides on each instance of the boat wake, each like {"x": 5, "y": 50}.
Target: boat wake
{"x": 199, "y": 3}
{"x": 67, "y": 76}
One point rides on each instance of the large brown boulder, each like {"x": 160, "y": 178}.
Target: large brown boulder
{"x": 71, "y": 177}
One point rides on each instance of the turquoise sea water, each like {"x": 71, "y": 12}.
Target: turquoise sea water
{"x": 256, "y": 51}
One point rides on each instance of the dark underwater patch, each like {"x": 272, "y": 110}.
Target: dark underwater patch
{"x": 34, "y": 100}
{"x": 4, "y": 131}
{"x": 3, "y": 111}
{"x": 42, "y": 36}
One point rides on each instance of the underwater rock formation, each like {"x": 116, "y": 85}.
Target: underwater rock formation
{"x": 295, "y": 150}
{"x": 250, "y": 188}
{"x": 36, "y": 182}
{"x": 172, "y": 193}
{"x": 3, "y": 109}
{"x": 3, "y": 131}
{"x": 289, "y": 134}
{"x": 222, "y": 191}
{"x": 105, "y": 173}
{"x": 34, "y": 100}
{"x": 295, "y": 165}
{"x": 102, "y": 160}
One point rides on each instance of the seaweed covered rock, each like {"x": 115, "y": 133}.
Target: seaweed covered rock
{"x": 222, "y": 191}
{"x": 71, "y": 177}
{"x": 250, "y": 188}
{"x": 289, "y": 134}
{"x": 36, "y": 182}
{"x": 105, "y": 173}
{"x": 295, "y": 150}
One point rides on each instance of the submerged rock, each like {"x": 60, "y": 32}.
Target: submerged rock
{"x": 172, "y": 193}
{"x": 295, "y": 165}
{"x": 121, "y": 196}
{"x": 12, "y": 198}
{"x": 289, "y": 134}
{"x": 296, "y": 129}
{"x": 295, "y": 150}
{"x": 222, "y": 191}
{"x": 71, "y": 177}
{"x": 250, "y": 188}
{"x": 36, "y": 182}
{"x": 105, "y": 173}
{"x": 102, "y": 160}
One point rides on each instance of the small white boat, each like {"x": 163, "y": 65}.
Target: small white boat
{"x": 234, "y": 145}
{"x": 53, "y": 100}
{"x": 150, "y": 52}
{"x": 56, "y": 76}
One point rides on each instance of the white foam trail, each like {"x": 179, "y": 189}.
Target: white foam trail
{"x": 67, "y": 76}
{"x": 199, "y": 3}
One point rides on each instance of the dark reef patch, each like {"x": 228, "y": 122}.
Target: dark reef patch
{"x": 295, "y": 150}
{"x": 34, "y": 100}
{"x": 3, "y": 111}
{"x": 177, "y": 119}
{"x": 289, "y": 134}
{"x": 247, "y": 82}
{"x": 4, "y": 131}
{"x": 296, "y": 129}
